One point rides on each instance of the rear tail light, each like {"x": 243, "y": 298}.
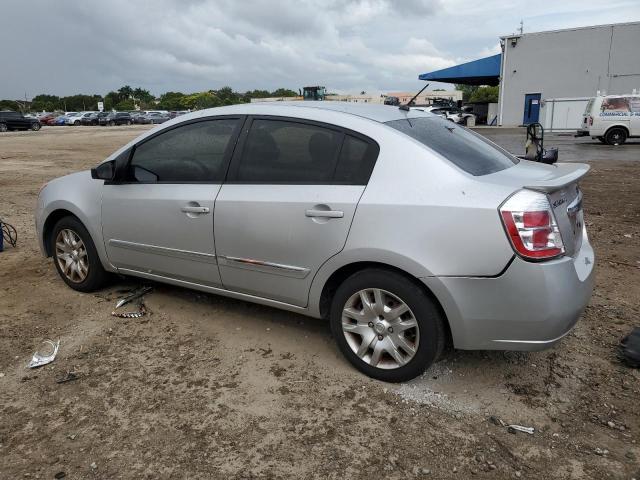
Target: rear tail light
{"x": 590, "y": 120}
{"x": 531, "y": 226}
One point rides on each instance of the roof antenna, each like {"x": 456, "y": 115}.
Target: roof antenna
{"x": 405, "y": 107}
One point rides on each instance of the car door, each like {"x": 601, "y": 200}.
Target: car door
{"x": 634, "y": 122}
{"x": 287, "y": 205}
{"x": 157, "y": 216}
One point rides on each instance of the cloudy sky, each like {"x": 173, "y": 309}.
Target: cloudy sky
{"x": 91, "y": 46}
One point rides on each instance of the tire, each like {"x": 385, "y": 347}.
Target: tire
{"x": 85, "y": 273}
{"x": 112, "y": 123}
{"x": 3, "y": 127}
{"x": 128, "y": 122}
{"x": 76, "y": 123}
{"x": 616, "y": 136}
{"x": 421, "y": 323}
{"x": 35, "y": 127}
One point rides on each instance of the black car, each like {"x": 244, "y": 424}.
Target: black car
{"x": 92, "y": 118}
{"x": 16, "y": 121}
{"x": 395, "y": 101}
{"x": 117, "y": 118}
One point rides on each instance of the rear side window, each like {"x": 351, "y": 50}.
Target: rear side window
{"x": 279, "y": 151}
{"x": 191, "y": 153}
{"x": 356, "y": 161}
{"x": 587, "y": 109}
{"x": 462, "y": 147}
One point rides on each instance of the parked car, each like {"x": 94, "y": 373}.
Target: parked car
{"x": 60, "y": 120}
{"x": 16, "y": 121}
{"x": 78, "y": 119}
{"x": 89, "y": 119}
{"x": 177, "y": 113}
{"x": 154, "y": 118}
{"x": 48, "y": 118}
{"x": 394, "y": 101}
{"x": 405, "y": 231}
{"x": 612, "y": 119}
{"x": 115, "y": 118}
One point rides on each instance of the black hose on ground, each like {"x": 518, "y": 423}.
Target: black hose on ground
{"x": 9, "y": 233}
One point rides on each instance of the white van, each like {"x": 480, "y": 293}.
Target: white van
{"x": 612, "y": 118}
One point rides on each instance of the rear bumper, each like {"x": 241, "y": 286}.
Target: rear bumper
{"x": 531, "y": 306}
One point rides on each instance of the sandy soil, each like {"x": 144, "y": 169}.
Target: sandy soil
{"x": 207, "y": 387}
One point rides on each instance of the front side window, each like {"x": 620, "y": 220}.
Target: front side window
{"x": 279, "y": 151}
{"x": 462, "y": 147}
{"x": 190, "y": 153}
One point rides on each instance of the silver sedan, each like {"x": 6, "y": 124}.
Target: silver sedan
{"x": 407, "y": 232}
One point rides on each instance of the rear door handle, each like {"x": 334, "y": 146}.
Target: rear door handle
{"x": 324, "y": 213}
{"x": 190, "y": 209}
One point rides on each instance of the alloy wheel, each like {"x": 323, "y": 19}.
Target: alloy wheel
{"x": 3, "y": 127}
{"x": 380, "y": 328}
{"x": 71, "y": 255}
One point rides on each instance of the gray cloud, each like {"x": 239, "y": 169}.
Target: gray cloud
{"x": 348, "y": 45}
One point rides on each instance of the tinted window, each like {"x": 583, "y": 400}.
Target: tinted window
{"x": 287, "y": 152}
{"x": 356, "y": 161}
{"x": 464, "y": 148}
{"x": 190, "y": 153}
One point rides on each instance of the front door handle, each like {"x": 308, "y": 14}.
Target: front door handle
{"x": 324, "y": 213}
{"x": 193, "y": 209}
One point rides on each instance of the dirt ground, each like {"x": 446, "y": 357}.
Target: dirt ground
{"x": 208, "y": 387}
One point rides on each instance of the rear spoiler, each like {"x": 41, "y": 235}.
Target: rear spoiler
{"x": 566, "y": 174}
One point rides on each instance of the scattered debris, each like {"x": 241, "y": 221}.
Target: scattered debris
{"x": 69, "y": 377}
{"x": 93, "y": 466}
{"x": 601, "y": 452}
{"x": 496, "y": 421}
{"x": 136, "y": 295}
{"x": 39, "y": 359}
{"x": 520, "y": 428}
{"x": 59, "y": 475}
{"x": 629, "y": 349}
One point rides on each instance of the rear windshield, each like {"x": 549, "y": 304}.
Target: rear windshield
{"x": 462, "y": 147}
{"x": 587, "y": 109}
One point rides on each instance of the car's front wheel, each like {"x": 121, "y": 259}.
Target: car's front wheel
{"x": 386, "y": 325}
{"x": 3, "y": 127}
{"x": 75, "y": 256}
{"x": 35, "y": 127}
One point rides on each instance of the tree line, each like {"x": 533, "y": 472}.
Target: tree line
{"x": 128, "y": 98}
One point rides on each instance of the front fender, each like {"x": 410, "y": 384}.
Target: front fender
{"x": 80, "y": 195}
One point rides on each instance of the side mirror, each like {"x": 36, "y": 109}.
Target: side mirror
{"x": 104, "y": 171}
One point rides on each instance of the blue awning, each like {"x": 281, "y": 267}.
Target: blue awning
{"x": 485, "y": 71}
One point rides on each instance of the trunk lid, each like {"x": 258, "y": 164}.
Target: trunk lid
{"x": 560, "y": 183}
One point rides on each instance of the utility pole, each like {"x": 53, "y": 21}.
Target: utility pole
{"x": 521, "y": 27}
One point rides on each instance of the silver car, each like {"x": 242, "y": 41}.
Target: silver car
{"x": 407, "y": 232}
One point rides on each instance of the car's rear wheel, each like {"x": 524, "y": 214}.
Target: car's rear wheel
{"x": 3, "y": 127}
{"x": 35, "y": 127}
{"x": 75, "y": 256}
{"x": 386, "y": 325}
{"x": 112, "y": 123}
{"x": 76, "y": 123}
{"x": 616, "y": 136}
{"x": 128, "y": 122}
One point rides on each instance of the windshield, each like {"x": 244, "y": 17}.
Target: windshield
{"x": 464, "y": 148}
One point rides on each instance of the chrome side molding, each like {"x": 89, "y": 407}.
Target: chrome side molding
{"x": 166, "y": 251}
{"x": 265, "y": 267}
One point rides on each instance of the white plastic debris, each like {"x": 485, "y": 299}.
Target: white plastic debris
{"x": 39, "y": 359}
{"x": 520, "y": 428}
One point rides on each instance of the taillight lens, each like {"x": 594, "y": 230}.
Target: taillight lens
{"x": 531, "y": 225}
{"x": 590, "y": 120}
